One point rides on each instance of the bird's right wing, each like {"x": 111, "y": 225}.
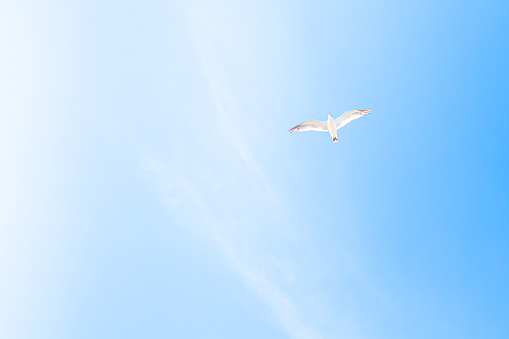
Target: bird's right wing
{"x": 348, "y": 116}
{"x": 311, "y": 125}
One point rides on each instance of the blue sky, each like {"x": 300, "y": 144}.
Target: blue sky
{"x": 150, "y": 187}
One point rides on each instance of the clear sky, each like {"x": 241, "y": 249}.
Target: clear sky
{"x": 149, "y": 187}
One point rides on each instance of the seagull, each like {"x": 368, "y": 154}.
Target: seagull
{"x": 331, "y": 125}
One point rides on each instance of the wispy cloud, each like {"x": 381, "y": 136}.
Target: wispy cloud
{"x": 241, "y": 214}
{"x": 228, "y": 195}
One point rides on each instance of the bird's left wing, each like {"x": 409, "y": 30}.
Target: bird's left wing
{"x": 311, "y": 125}
{"x": 348, "y": 116}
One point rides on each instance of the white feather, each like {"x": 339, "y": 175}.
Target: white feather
{"x": 348, "y": 116}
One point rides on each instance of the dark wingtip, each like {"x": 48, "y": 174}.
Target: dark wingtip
{"x": 294, "y": 128}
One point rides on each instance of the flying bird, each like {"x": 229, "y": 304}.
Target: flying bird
{"x": 331, "y": 125}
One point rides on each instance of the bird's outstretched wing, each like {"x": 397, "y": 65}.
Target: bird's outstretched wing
{"x": 311, "y": 125}
{"x": 348, "y": 116}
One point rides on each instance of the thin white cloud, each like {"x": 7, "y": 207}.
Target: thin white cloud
{"x": 229, "y": 196}
{"x": 236, "y": 231}
{"x": 224, "y": 215}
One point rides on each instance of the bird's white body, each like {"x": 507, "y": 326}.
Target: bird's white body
{"x": 333, "y": 129}
{"x": 331, "y": 125}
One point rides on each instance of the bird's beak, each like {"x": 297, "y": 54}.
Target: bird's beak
{"x": 365, "y": 111}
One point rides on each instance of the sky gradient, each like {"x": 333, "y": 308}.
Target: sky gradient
{"x": 150, "y": 187}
